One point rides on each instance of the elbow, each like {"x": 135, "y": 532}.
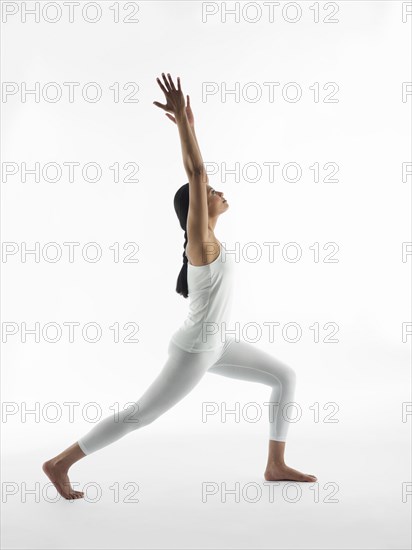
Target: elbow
{"x": 193, "y": 169}
{"x": 199, "y": 170}
{"x": 198, "y": 173}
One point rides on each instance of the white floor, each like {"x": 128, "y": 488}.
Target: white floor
{"x": 162, "y": 505}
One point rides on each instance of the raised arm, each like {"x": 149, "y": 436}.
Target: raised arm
{"x": 197, "y": 222}
{"x": 190, "y": 117}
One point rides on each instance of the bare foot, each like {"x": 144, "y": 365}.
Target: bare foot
{"x": 58, "y": 476}
{"x": 282, "y": 472}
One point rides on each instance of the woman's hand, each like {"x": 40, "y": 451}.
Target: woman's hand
{"x": 189, "y": 114}
{"x": 175, "y": 101}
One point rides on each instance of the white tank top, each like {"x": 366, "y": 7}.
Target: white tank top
{"x": 210, "y": 302}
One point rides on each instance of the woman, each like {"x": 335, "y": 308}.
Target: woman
{"x": 197, "y": 347}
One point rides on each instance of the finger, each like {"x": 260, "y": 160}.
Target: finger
{"x": 188, "y": 101}
{"x": 179, "y": 88}
{"x": 172, "y": 118}
{"x": 166, "y": 82}
{"x": 159, "y": 105}
{"x": 171, "y": 82}
{"x": 161, "y": 85}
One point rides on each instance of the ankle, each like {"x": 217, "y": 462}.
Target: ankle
{"x": 278, "y": 463}
{"x": 60, "y": 463}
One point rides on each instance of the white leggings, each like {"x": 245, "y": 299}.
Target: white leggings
{"x": 180, "y": 374}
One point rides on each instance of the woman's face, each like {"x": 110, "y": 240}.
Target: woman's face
{"x": 216, "y": 202}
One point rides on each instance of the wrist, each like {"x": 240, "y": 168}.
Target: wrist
{"x": 180, "y": 116}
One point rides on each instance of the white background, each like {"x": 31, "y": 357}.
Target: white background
{"x": 365, "y": 456}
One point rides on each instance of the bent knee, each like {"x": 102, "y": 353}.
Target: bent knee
{"x": 288, "y": 376}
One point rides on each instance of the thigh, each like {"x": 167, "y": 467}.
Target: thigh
{"x": 246, "y": 361}
{"x": 180, "y": 374}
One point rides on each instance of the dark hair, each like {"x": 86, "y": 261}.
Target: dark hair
{"x": 181, "y": 204}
